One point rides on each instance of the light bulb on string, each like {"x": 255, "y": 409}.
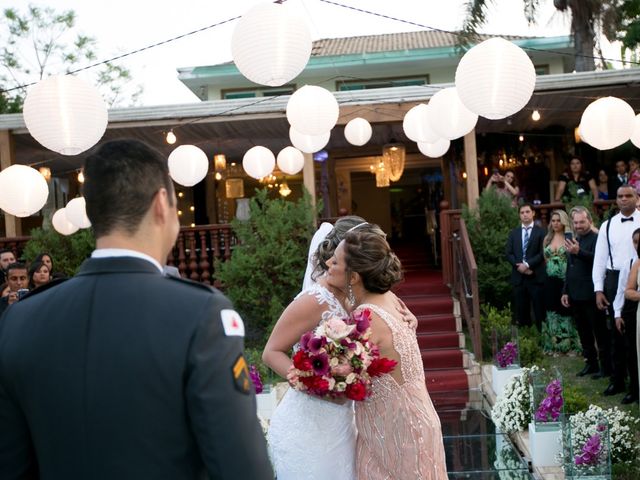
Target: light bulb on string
{"x": 171, "y": 137}
{"x": 80, "y": 177}
{"x": 521, "y": 138}
{"x": 218, "y": 176}
{"x": 535, "y": 116}
{"x": 45, "y": 172}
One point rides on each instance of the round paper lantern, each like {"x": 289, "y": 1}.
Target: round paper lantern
{"x": 635, "y": 136}
{"x": 435, "y": 149}
{"x": 308, "y": 143}
{"x": 358, "y": 131}
{"x": 449, "y": 118}
{"x": 312, "y": 110}
{"x": 62, "y": 224}
{"x": 271, "y": 45}
{"x": 417, "y": 124}
{"x": 23, "y": 190}
{"x": 607, "y": 123}
{"x": 188, "y": 165}
{"x": 290, "y": 160}
{"x": 495, "y": 78}
{"x": 76, "y": 212}
{"x": 258, "y": 162}
{"x": 65, "y": 114}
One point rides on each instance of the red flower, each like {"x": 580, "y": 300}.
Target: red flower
{"x": 301, "y": 361}
{"x": 380, "y": 366}
{"x": 356, "y": 391}
{"x": 315, "y": 384}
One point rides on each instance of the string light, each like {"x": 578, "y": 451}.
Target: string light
{"x": 171, "y": 137}
{"x": 218, "y": 176}
{"x": 192, "y": 208}
{"x": 80, "y": 177}
{"x": 464, "y": 175}
{"x": 535, "y": 116}
{"x": 45, "y": 172}
{"x": 521, "y": 138}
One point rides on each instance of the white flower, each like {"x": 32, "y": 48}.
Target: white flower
{"x": 350, "y": 378}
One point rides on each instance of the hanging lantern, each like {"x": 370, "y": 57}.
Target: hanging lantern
{"x": 271, "y": 44}
{"x": 61, "y": 223}
{"x": 607, "y": 123}
{"x": 382, "y": 175}
{"x": 312, "y": 110}
{"x": 284, "y": 191}
{"x": 234, "y": 187}
{"x": 23, "y": 190}
{"x": 495, "y": 79}
{"x": 393, "y": 156}
{"x": 258, "y": 162}
{"x": 449, "y": 117}
{"x": 219, "y": 162}
{"x": 76, "y": 212}
{"x": 435, "y": 149}
{"x": 65, "y": 114}
{"x": 308, "y": 143}
{"x": 290, "y": 160}
{"x": 188, "y": 165}
{"x": 635, "y": 136}
{"x": 358, "y": 131}
{"x": 417, "y": 124}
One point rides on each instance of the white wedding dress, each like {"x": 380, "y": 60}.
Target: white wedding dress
{"x": 310, "y": 438}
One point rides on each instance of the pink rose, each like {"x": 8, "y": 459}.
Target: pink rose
{"x": 336, "y": 329}
{"x": 341, "y": 370}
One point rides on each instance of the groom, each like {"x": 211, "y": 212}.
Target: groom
{"x": 122, "y": 372}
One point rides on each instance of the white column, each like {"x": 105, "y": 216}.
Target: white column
{"x": 471, "y": 167}
{"x": 309, "y": 177}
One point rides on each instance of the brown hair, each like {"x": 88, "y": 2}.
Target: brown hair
{"x": 330, "y": 243}
{"x": 368, "y": 254}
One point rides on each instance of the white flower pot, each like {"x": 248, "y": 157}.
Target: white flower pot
{"x": 500, "y": 377}
{"x": 544, "y": 446}
{"x": 266, "y": 403}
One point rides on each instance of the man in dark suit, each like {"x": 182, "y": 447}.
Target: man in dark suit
{"x": 621, "y": 177}
{"x": 524, "y": 253}
{"x": 122, "y": 372}
{"x": 578, "y": 295}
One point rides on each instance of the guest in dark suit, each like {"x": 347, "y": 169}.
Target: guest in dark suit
{"x": 621, "y": 177}
{"x": 524, "y": 252}
{"x": 122, "y": 372}
{"x": 578, "y": 294}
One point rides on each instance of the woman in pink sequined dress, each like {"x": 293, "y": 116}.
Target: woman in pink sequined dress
{"x": 399, "y": 433}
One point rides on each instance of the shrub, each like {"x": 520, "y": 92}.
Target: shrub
{"x": 574, "y": 400}
{"x": 267, "y": 265}
{"x": 530, "y": 346}
{"x": 493, "y": 319}
{"x": 488, "y": 226}
{"x": 67, "y": 252}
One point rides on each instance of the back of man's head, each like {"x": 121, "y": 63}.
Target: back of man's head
{"x": 121, "y": 180}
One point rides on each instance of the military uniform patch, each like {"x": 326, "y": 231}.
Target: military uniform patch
{"x": 241, "y": 378}
{"x": 232, "y": 323}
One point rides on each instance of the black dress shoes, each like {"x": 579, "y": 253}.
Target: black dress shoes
{"x": 629, "y": 398}
{"x": 613, "y": 389}
{"x": 587, "y": 370}
{"x": 600, "y": 374}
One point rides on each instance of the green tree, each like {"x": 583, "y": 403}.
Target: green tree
{"x": 67, "y": 252}
{"x": 42, "y": 41}
{"x": 589, "y": 20}
{"x": 267, "y": 265}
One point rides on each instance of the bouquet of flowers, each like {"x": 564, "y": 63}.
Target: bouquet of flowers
{"x": 337, "y": 360}
{"x": 507, "y": 355}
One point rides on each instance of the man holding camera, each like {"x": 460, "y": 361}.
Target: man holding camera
{"x": 17, "y": 279}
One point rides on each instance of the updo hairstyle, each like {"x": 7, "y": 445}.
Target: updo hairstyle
{"x": 330, "y": 243}
{"x": 368, "y": 254}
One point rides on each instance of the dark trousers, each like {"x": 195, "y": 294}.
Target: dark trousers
{"x": 618, "y": 350}
{"x": 594, "y": 335}
{"x": 630, "y": 320}
{"x": 525, "y": 296}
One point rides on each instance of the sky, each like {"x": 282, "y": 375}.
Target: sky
{"x": 120, "y": 26}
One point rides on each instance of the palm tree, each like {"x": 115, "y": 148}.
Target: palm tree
{"x": 589, "y": 19}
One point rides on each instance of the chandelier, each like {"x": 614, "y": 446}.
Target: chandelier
{"x": 393, "y": 156}
{"x": 382, "y": 174}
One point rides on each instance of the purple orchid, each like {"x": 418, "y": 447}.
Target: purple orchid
{"x": 591, "y": 451}
{"x": 316, "y": 343}
{"x": 507, "y": 355}
{"x": 255, "y": 378}
{"x": 320, "y": 364}
{"x": 549, "y": 409}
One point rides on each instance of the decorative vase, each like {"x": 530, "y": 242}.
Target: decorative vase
{"x": 506, "y": 358}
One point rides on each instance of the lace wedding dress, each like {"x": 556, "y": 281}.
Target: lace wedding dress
{"x": 399, "y": 433}
{"x": 310, "y": 438}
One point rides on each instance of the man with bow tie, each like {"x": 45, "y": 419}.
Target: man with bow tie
{"x": 620, "y": 178}
{"x": 524, "y": 252}
{"x": 614, "y": 248}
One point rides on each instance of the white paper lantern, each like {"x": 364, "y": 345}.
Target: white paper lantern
{"x": 76, "y": 212}
{"x": 495, "y": 78}
{"x": 188, "y": 165}
{"x": 417, "y": 124}
{"x": 62, "y": 224}
{"x": 635, "y": 136}
{"x": 290, "y": 160}
{"x": 358, "y": 131}
{"x": 449, "y": 118}
{"x": 271, "y": 44}
{"x": 23, "y": 190}
{"x": 308, "y": 143}
{"x": 435, "y": 149}
{"x": 607, "y": 123}
{"x": 65, "y": 114}
{"x": 312, "y": 110}
{"x": 258, "y": 162}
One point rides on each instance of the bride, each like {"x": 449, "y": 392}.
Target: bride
{"x": 310, "y": 437}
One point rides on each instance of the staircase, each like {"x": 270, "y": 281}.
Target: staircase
{"x": 446, "y": 363}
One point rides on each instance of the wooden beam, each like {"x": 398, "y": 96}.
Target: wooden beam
{"x": 471, "y": 167}
{"x": 12, "y": 225}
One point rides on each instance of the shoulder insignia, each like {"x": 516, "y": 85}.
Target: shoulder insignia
{"x": 232, "y": 323}
{"x": 240, "y": 373}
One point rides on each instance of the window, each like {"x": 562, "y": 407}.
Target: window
{"x": 345, "y": 85}
{"x": 257, "y": 92}
{"x": 542, "y": 69}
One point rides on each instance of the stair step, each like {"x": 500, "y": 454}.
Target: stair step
{"x": 429, "y": 305}
{"x": 421, "y": 288}
{"x": 444, "y": 322}
{"x": 443, "y": 358}
{"x": 439, "y": 340}
{"x": 446, "y": 380}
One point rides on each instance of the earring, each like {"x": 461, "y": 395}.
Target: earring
{"x": 351, "y": 298}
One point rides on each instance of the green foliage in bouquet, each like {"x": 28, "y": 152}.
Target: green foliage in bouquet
{"x": 488, "y": 226}
{"x": 266, "y": 267}
{"x": 67, "y": 252}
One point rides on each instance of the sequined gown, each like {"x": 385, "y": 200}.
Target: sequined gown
{"x": 399, "y": 433}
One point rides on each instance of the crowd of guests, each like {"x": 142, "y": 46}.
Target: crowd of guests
{"x": 18, "y": 278}
{"x": 587, "y": 277}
